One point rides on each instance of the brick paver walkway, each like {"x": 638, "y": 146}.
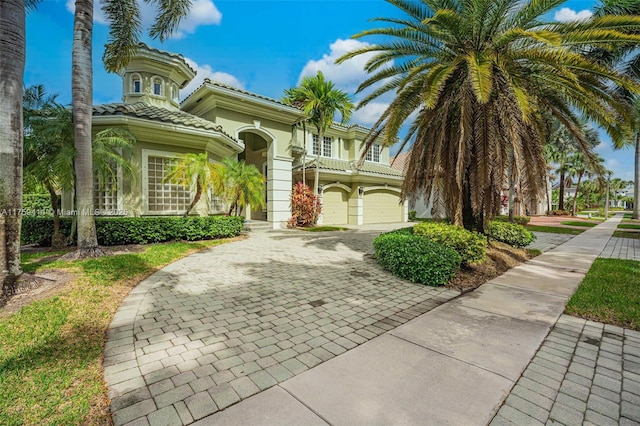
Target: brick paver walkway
{"x": 622, "y": 248}
{"x": 229, "y": 322}
{"x": 585, "y": 372}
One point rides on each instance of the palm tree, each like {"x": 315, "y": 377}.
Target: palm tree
{"x": 125, "y": 28}
{"x": 479, "y": 76}
{"x": 320, "y": 100}
{"x": 626, "y": 56}
{"x": 196, "y": 172}
{"x": 12, "y": 62}
{"x": 48, "y": 149}
{"x": 240, "y": 184}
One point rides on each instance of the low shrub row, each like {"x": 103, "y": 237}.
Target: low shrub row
{"x": 520, "y": 220}
{"x": 416, "y": 258}
{"x": 561, "y": 213}
{"x": 138, "y": 230}
{"x": 471, "y": 246}
{"x": 510, "y": 233}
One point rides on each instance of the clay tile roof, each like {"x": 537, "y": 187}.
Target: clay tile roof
{"x": 343, "y": 165}
{"x": 399, "y": 162}
{"x": 163, "y": 52}
{"x": 149, "y": 112}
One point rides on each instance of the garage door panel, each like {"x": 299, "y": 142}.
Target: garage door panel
{"x": 335, "y": 207}
{"x": 382, "y": 206}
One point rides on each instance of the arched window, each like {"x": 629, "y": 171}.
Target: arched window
{"x": 174, "y": 92}
{"x": 136, "y": 83}
{"x": 157, "y": 86}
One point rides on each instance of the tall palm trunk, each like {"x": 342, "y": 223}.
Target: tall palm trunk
{"x": 512, "y": 184}
{"x": 575, "y": 197}
{"x": 82, "y": 85}
{"x": 636, "y": 180}
{"x": 12, "y": 60}
{"x": 58, "y": 239}
{"x": 561, "y": 192}
{"x": 320, "y": 146}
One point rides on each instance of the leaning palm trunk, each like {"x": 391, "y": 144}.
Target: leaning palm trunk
{"x": 636, "y": 180}
{"x": 196, "y": 198}
{"x": 82, "y": 84}
{"x": 561, "y": 192}
{"x": 575, "y": 197}
{"x": 12, "y": 60}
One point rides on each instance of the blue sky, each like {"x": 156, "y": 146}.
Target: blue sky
{"x": 264, "y": 46}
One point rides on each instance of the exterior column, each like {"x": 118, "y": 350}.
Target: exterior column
{"x": 279, "y": 185}
{"x": 405, "y": 211}
{"x": 356, "y": 206}
{"x": 320, "y": 216}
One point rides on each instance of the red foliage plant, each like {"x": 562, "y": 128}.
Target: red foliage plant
{"x": 305, "y": 207}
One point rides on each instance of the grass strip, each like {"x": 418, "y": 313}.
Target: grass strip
{"x": 627, "y": 234}
{"x": 628, "y": 226}
{"x": 609, "y": 293}
{"x": 51, "y": 349}
{"x": 554, "y": 229}
{"x": 579, "y": 223}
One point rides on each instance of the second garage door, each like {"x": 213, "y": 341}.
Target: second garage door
{"x": 382, "y": 206}
{"x": 335, "y": 207}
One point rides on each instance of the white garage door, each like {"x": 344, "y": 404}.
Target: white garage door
{"x": 335, "y": 207}
{"x": 382, "y": 206}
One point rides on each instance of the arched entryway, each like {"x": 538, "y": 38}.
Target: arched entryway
{"x": 256, "y": 153}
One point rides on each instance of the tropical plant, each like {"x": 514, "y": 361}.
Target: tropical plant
{"x": 305, "y": 207}
{"x": 580, "y": 165}
{"x": 196, "y": 172}
{"x": 49, "y": 153}
{"x": 48, "y": 149}
{"x": 479, "y": 77}
{"x": 125, "y": 28}
{"x": 321, "y": 101}
{"x": 240, "y": 184}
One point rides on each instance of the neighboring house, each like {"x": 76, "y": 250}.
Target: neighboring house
{"x": 228, "y": 122}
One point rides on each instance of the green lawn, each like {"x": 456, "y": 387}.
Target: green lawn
{"x": 627, "y": 234}
{"x": 609, "y": 293}
{"x": 554, "y": 229}
{"x": 51, "y": 349}
{"x": 324, "y": 228}
{"x": 628, "y": 226}
{"x": 579, "y": 223}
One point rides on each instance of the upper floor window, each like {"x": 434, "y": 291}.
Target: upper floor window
{"x": 373, "y": 154}
{"x": 174, "y": 92}
{"x": 136, "y": 84}
{"x": 157, "y": 86}
{"x": 323, "y": 150}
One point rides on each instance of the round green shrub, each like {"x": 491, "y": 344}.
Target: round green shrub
{"x": 415, "y": 258}
{"x": 471, "y": 246}
{"x": 510, "y": 233}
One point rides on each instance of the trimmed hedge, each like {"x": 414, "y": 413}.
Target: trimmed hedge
{"x": 138, "y": 230}
{"x": 520, "y": 220}
{"x": 471, "y": 246}
{"x": 36, "y": 202}
{"x": 510, "y": 233}
{"x": 416, "y": 258}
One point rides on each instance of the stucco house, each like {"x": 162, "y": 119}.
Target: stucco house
{"x": 225, "y": 121}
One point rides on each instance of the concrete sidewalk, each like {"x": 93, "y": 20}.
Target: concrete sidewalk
{"x": 452, "y": 365}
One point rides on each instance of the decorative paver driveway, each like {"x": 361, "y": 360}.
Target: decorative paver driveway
{"x": 226, "y": 323}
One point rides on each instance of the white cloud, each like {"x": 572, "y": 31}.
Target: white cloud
{"x": 612, "y": 164}
{"x": 202, "y": 12}
{"x": 568, "y": 15}
{"x": 369, "y": 114}
{"x": 347, "y": 75}
{"x": 206, "y": 71}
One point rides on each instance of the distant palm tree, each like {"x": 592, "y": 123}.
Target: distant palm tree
{"x": 580, "y": 166}
{"x": 475, "y": 79}
{"x": 240, "y": 184}
{"x": 320, "y": 100}
{"x": 125, "y": 28}
{"x": 626, "y": 56}
{"x": 196, "y": 172}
